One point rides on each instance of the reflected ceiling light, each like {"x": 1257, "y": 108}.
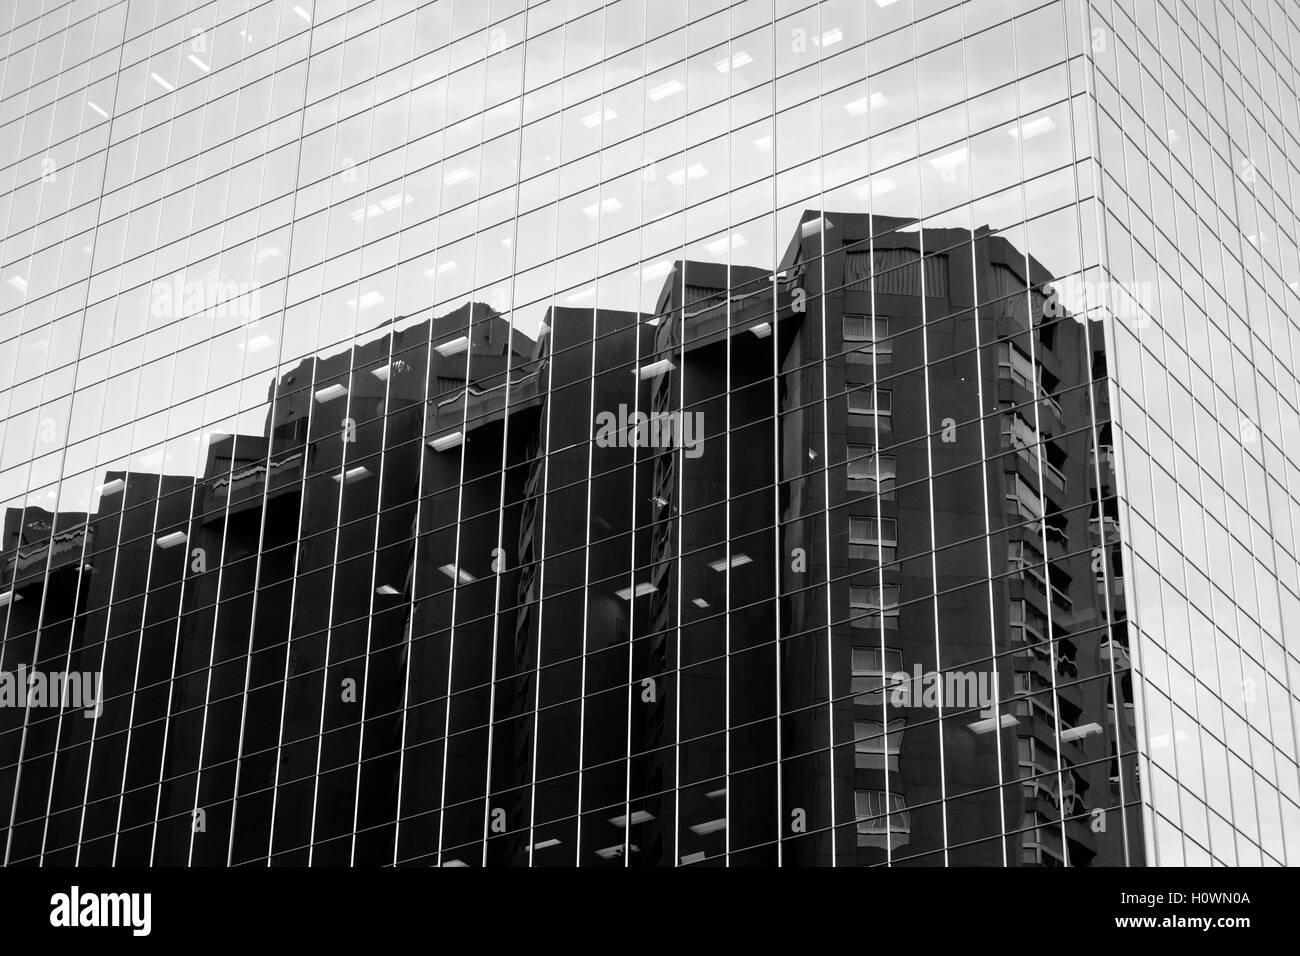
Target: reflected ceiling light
{"x": 382, "y": 372}
{"x": 111, "y": 487}
{"x": 665, "y": 90}
{"x": 9, "y": 597}
{"x": 763, "y": 144}
{"x": 885, "y": 3}
{"x": 950, "y": 160}
{"x": 458, "y": 175}
{"x": 97, "y": 108}
{"x": 446, "y": 267}
{"x": 605, "y": 205}
{"x": 302, "y": 13}
{"x": 815, "y": 225}
{"x": 735, "y": 63}
{"x": 19, "y": 283}
{"x": 455, "y": 862}
{"x": 199, "y": 63}
{"x": 387, "y": 590}
{"x": 171, "y": 540}
{"x": 762, "y": 329}
{"x": 642, "y": 589}
{"x": 990, "y": 724}
{"x": 257, "y": 343}
{"x": 161, "y": 82}
{"x": 859, "y": 106}
{"x": 832, "y": 36}
{"x": 367, "y": 300}
{"x": 394, "y": 201}
{"x": 735, "y": 241}
{"x": 268, "y": 252}
{"x": 638, "y": 816}
{"x": 592, "y": 120}
{"x": 616, "y": 851}
{"x": 1078, "y": 733}
{"x": 709, "y": 826}
{"x": 544, "y": 844}
{"x": 444, "y": 442}
{"x": 330, "y": 392}
{"x": 654, "y": 368}
{"x": 693, "y": 171}
{"x": 737, "y": 560}
{"x": 453, "y": 347}
{"x": 700, "y": 603}
{"x": 459, "y": 575}
{"x": 352, "y": 475}
{"x": 690, "y": 858}
{"x": 1033, "y": 128}
{"x": 878, "y": 186}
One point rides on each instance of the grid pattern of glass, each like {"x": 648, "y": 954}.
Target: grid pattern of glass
{"x": 1196, "y": 113}
{"x": 641, "y": 433}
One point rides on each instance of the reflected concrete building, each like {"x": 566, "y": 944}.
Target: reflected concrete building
{"x": 650, "y": 434}
{"x": 834, "y": 608}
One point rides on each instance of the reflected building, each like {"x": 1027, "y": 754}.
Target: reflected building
{"x": 649, "y": 434}
{"x": 855, "y": 610}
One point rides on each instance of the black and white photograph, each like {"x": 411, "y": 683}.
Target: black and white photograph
{"x": 647, "y": 435}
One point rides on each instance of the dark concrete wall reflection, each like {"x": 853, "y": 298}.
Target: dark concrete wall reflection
{"x": 425, "y": 617}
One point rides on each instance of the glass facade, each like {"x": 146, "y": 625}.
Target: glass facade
{"x": 1196, "y": 170}
{"x": 641, "y": 433}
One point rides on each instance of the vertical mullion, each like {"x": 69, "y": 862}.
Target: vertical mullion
{"x": 726, "y": 450}
{"x": 410, "y": 637}
{"x": 462, "y": 449}
{"x": 629, "y": 689}
{"x": 1094, "y": 432}
{"x": 885, "y": 679}
{"x": 1031, "y": 334}
{"x": 374, "y": 571}
{"x": 505, "y": 454}
{"x": 984, "y": 480}
{"x": 822, "y": 230}
{"x": 539, "y": 517}
{"x": 933, "y": 597}
{"x": 778, "y": 555}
